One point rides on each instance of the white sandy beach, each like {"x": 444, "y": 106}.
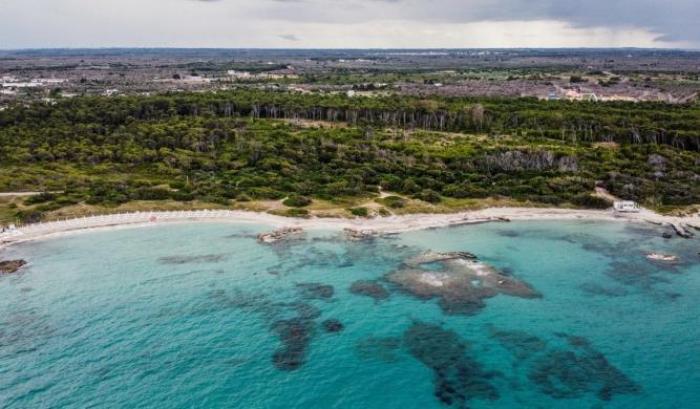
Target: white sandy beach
{"x": 391, "y": 224}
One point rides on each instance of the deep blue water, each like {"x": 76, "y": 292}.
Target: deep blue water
{"x": 202, "y": 316}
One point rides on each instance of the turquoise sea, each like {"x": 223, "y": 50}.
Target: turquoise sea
{"x": 200, "y": 315}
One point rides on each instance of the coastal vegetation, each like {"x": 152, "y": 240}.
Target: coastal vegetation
{"x": 246, "y": 147}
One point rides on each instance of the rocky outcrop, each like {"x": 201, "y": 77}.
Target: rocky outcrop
{"x": 281, "y": 234}
{"x": 460, "y": 282}
{"x": 682, "y": 230}
{"x": 11, "y": 266}
{"x": 434, "y": 257}
{"x": 657, "y": 162}
{"x": 360, "y": 235}
{"x": 515, "y": 161}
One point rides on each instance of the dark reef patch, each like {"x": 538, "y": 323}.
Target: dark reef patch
{"x": 369, "y": 288}
{"x": 567, "y": 374}
{"x": 293, "y": 322}
{"x": 295, "y": 335}
{"x": 458, "y": 377}
{"x": 207, "y": 258}
{"x": 332, "y": 325}
{"x": 565, "y": 370}
{"x": 380, "y": 349}
{"x": 508, "y": 233}
{"x": 306, "y": 311}
{"x": 315, "y": 291}
{"x": 242, "y": 235}
{"x": 599, "y": 290}
{"x": 521, "y": 344}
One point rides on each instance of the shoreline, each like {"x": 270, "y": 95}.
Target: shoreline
{"x": 386, "y": 225}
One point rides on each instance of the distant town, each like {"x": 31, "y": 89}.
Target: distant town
{"x": 595, "y": 75}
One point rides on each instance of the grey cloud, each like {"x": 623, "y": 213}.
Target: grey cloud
{"x": 289, "y": 37}
{"x": 673, "y": 20}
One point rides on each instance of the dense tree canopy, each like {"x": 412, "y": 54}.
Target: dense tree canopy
{"x": 229, "y": 146}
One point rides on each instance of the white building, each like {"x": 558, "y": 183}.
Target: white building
{"x": 626, "y": 206}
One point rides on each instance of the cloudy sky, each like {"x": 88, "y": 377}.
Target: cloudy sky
{"x": 349, "y": 23}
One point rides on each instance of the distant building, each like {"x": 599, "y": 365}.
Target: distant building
{"x": 626, "y": 206}
{"x": 553, "y": 96}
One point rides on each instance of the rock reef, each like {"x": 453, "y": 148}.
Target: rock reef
{"x": 11, "y": 266}
{"x": 369, "y": 288}
{"x": 458, "y": 376}
{"x": 383, "y": 349}
{"x": 459, "y": 281}
{"x": 315, "y": 291}
{"x": 565, "y": 370}
{"x": 332, "y": 325}
{"x": 295, "y": 335}
{"x": 207, "y": 258}
{"x": 280, "y": 234}
{"x": 360, "y": 235}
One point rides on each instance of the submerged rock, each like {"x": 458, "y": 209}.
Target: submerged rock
{"x": 597, "y": 289}
{"x": 521, "y": 344}
{"x": 332, "y": 325}
{"x": 381, "y": 349}
{"x": 295, "y": 335}
{"x": 670, "y": 258}
{"x": 461, "y": 283}
{"x": 369, "y": 289}
{"x": 566, "y": 374}
{"x": 11, "y": 266}
{"x": 565, "y": 371}
{"x": 458, "y": 377}
{"x": 315, "y": 291}
{"x": 207, "y": 258}
{"x": 280, "y": 234}
{"x": 360, "y": 235}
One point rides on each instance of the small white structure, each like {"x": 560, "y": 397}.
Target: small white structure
{"x": 626, "y": 206}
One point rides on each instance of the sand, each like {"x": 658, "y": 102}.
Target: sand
{"x": 390, "y": 224}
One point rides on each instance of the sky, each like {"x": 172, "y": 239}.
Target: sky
{"x": 349, "y": 23}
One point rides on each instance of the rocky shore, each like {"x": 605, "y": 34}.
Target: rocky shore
{"x": 280, "y": 234}
{"x": 11, "y": 266}
{"x": 354, "y": 229}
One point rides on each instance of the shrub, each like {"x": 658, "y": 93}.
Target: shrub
{"x": 29, "y": 216}
{"x": 145, "y": 193}
{"x": 296, "y": 212}
{"x": 40, "y": 198}
{"x": 590, "y": 201}
{"x": 395, "y": 202}
{"x": 297, "y": 201}
{"x": 182, "y": 196}
{"x": 360, "y": 211}
{"x": 216, "y": 200}
{"x": 429, "y": 196}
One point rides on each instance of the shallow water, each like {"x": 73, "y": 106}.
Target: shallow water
{"x": 201, "y": 315}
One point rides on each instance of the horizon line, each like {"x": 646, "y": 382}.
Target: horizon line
{"x": 83, "y": 48}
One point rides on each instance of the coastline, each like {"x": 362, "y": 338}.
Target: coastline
{"x": 386, "y": 225}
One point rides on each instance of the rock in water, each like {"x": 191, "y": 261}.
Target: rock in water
{"x": 369, "y": 289}
{"x": 458, "y": 377}
{"x": 281, "y": 234}
{"x": 315, "y": 291}
{"x": 332, "y": 325}
{"x": 359, "y": 235}
{"x": 11, "y": 266}
{"x": 461, "y": 284}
